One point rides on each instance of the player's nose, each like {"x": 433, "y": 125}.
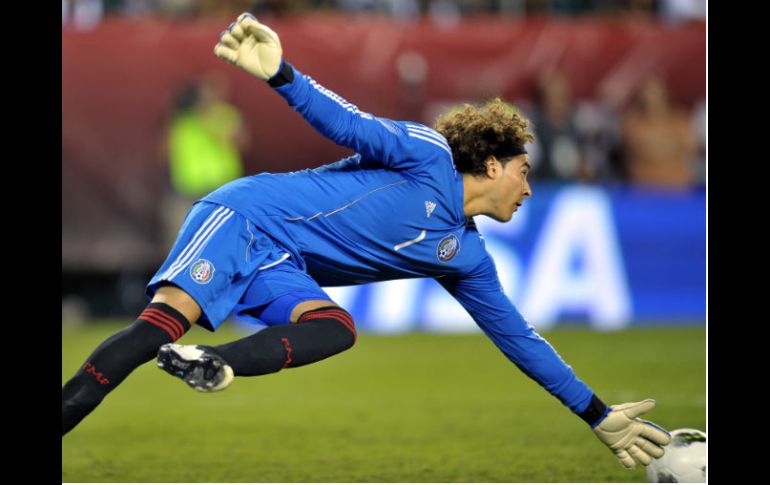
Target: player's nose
{"x": 527, "y": 190}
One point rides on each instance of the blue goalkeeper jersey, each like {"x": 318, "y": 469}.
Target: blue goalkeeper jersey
{"x": 393, "y": 210}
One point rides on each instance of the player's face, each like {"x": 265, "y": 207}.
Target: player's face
{"x": 511, "y": 188}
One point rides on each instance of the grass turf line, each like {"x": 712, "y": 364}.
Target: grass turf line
{"x": 407, "y": 408}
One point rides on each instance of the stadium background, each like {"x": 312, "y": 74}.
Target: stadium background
{"x": 589, "y": 253}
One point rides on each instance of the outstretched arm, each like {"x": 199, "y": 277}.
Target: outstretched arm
{"x": 255, "y": 48}
{"x": 619, "y": 427}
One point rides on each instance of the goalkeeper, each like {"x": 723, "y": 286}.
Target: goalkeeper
{"x": 261, "y": 247}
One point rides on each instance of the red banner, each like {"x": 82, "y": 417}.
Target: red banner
{"x": 118, "y": 81}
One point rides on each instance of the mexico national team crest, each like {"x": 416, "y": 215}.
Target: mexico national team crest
{"x": 202, "y": 271}
{"x": 448, "y": 248}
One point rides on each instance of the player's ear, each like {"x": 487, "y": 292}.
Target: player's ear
{"x": 494, "y": 167}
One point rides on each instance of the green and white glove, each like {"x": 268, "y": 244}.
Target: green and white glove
{"x": 252, "y": 46}
{"x": 630, "y": 438}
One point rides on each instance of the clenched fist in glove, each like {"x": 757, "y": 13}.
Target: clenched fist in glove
{"x": 252, "y": 46}
{"x": 630, "y": 438}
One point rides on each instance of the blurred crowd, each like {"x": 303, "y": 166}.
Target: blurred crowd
{"x": 441, "y": 10}
{"x": 645, "y": 139}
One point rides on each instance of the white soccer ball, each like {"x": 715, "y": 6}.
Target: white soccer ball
{"x": 684, "y": 460}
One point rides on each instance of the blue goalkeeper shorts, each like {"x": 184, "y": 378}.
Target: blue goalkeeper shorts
{"x": 229, "y": 267}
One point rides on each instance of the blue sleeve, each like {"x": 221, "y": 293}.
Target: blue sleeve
{"x": 397, "y": 145}
{"x": 482, "y": 295}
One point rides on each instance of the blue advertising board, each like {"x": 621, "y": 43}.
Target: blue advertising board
{"x": 609, "y": 257}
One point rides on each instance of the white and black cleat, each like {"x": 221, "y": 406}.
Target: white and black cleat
{"x": 200, "y": 369}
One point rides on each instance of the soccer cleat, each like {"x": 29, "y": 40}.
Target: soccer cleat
{"x": 200, "y": 369}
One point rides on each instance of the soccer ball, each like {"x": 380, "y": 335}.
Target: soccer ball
{"x": 684, "y": 460}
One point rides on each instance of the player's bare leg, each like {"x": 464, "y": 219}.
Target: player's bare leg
{"x": 164, "y": 320}
{"x": 318, "y": 329}
{"x": 179, "y": 300}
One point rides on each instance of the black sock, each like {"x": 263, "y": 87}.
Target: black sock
{"x": 116, "y": 358}
{"x": 318, "y": 334}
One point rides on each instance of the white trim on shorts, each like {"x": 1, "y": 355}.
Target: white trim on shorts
{"x": 283, "y": 258}
{"x": 193, "y": 248}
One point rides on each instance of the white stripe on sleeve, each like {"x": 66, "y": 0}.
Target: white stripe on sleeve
{"x": 430, "y": 140}
{"x": 426, "y": 131}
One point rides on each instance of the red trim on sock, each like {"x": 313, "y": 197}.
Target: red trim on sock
{"x": 166, "y": 318}
{"x": 100, "y": 378}
{"x": 338, "y": 314}
{"x": 160, "y": 318}
{"x": 346, "y": 320}
{"x": 158, "y": 323}
{"x": 315, "y": 313}
{"x": 323, "y": 314}
{"x": 287, "y": 346}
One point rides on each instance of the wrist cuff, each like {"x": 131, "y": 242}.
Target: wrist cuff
{"x": 595, "y": 412}
{"x": 285, "y": 75}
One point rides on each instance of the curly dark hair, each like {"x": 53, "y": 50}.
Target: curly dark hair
{"x": 474, "y": 134}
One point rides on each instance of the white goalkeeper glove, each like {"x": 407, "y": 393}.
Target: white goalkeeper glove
{"x": 630, "y": 438}
{"x": 252, "y": 46}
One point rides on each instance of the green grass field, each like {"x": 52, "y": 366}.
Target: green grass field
{"x": 409, "y": 408}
